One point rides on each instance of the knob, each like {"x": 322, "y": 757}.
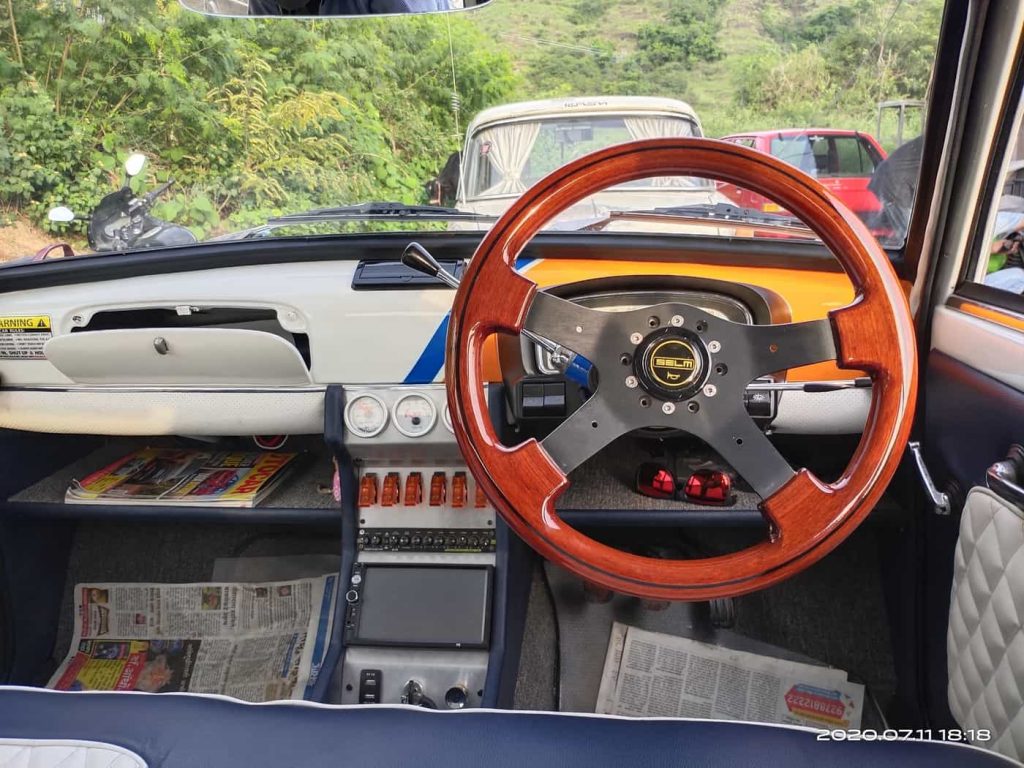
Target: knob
{"x": 419, "y": 258}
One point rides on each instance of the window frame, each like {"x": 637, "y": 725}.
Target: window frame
{"x": 969, "y": 292}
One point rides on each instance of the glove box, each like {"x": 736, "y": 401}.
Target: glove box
{"x": 178, "y": 356}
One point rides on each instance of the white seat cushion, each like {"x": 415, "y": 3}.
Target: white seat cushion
{"x": 985, "y": 641}
{"x": 57, "y": 753}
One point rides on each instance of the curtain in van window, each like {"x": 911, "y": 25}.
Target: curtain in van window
{"x": 508, "y": 150}
{"x": 660, "y": 128}
{"x": 657, "y": 127}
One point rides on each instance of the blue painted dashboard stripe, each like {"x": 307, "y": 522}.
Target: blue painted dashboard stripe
{"x": 431, "y": 358}
{"x": 428, "y": 367}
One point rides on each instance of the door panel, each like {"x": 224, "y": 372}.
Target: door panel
{"x": 974, "y": 413}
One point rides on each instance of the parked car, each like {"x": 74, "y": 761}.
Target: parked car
{"x": 842, "y": 161}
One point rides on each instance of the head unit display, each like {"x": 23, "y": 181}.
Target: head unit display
{"x": 419, "y": 606}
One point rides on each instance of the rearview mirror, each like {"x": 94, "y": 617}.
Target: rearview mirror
{"x": 134, "y": 164}
{"x": 61, "y": 214}
{"x": 335, "y": 8}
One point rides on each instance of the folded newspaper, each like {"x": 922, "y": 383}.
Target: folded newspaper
{"x": 258, "y": 642}
{"x": 648, "y": 674}
{"x": 176, "y": 476}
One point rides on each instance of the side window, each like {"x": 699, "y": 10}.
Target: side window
{"x": 1001, "y": 261}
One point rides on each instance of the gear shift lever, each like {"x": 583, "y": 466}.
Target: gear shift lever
{"x": 419, "y": 258}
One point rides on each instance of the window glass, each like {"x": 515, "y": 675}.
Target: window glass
{"x": 1002, "y": 263}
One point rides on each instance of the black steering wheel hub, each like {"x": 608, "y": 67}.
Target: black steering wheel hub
{"x": 671, "y": 364}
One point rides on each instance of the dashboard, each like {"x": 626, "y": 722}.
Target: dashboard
{"x": 250, "y": 349}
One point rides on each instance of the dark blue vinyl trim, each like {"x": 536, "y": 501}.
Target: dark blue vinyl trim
{"x": 334, "y": 436}
{"x": 140, "y": 513}
{"x": 171, "y": 730}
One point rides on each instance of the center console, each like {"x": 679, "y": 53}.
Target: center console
{"x": 421, "y": 595}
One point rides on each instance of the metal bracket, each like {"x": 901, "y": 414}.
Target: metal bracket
{"x": 939, "y": 499}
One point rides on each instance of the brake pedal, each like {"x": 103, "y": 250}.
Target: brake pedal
{"x": 723, "y": 612}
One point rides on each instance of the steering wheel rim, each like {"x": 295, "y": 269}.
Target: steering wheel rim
{"x": 808, "y": 518}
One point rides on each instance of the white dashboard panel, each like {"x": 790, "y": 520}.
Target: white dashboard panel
{"x": 115, "y": 411}
{"x": 354, "y": 336}
{"x": 358, "y": 338}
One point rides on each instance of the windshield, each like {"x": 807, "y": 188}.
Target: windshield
{"x": 135, "y": 124}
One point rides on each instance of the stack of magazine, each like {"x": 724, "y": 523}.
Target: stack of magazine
{"x": 182, "y": 477}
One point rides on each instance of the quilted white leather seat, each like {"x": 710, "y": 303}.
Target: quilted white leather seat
{"x": 56, "y": 753}
{"x": 985, "y": 642}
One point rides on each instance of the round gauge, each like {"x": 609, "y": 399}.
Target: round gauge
{"x": 366, "y": 416}
{"x": 448, "y": 419}
{"x": 414, "y": 415}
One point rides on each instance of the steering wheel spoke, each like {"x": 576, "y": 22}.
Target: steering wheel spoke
{"x": 589, "y": 429}
{"x": 748, "y": 450}
{"x": 774, "y": 348}
{"x": 567, "y": 324}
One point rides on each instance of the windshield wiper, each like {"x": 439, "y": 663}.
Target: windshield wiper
{"x": 704, "y": 213}
{"x": 381, "y": 212}
{"x": 729, "y": 212}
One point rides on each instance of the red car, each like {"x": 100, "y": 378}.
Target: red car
{"x": 842, "y": 161}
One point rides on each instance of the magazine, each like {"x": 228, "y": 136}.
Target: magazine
{"x": 185, "y": 477}
{"x": 257, "y": 642}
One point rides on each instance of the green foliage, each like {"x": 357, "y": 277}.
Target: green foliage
{"x": 251, "y": 118}
{"x": 255, "y": 118}
{"x": 689, "y": 34}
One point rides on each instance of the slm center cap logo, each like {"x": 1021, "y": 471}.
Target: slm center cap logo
{"x": 672, "y": 365}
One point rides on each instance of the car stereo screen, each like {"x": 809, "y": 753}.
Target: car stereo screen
{"x": 424, "y": 606}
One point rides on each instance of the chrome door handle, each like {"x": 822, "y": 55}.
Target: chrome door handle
{"x": 1004, "y": 478}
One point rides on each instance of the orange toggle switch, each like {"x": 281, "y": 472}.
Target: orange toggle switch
{"x": 459, "y": 490}
{"x": 368, "y": 490}
{"x": 414, "y": 489}
{"x": 481, "y": 499}
{"x": 389, "y": 494}
{"x": 437, "y": 489}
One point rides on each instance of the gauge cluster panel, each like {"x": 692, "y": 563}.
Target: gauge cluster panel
{"x": 409, "y": 419}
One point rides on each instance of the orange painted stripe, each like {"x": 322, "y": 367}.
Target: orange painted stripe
{"x": 993, "y": 315}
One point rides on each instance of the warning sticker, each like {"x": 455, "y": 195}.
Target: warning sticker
{"x": 22, "y": 337}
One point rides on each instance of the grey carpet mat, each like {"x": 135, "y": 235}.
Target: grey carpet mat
{"x": 831, "y": 614}
{"x": 169, "y": 553}
{"x": 307, "y": 487}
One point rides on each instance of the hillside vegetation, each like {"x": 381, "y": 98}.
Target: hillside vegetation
{"x": 254, "y": 118}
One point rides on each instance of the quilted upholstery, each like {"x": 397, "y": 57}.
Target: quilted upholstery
{"x": 52, "y": 753}
{"x": 985, "y": 642}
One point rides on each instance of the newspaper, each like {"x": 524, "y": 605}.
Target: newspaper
{"x": 257, "y": 642}
{"x": 647, "y": 674}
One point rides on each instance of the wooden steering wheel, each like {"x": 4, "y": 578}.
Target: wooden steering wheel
{"x": 691, "y": 370}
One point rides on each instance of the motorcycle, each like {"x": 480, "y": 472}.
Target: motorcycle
{"x": 122, "y": 221}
